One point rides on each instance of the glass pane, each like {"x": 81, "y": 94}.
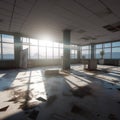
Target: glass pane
{"x": 25, "y": 40}
{"x": 116, "y": 53}
{"x": 61, "y": 53}
{"x": 7, "y": 38}
{"x": 75, "y": 47}
{"x": 61, "y": 45}
{"x": 72, "y": 54}
{"x": 33, "y": 52}
{"x": 8, "y": 51}
{"x": 0, "y": 37}
{"x": 42, "y": 52}
{"x": 98, "y": 53}
{"x": 25, "y": 47}
{"x": 85, "y": 47}
{"x": 49, "y": 43}
{"x": 107, "y": 52}
{"x": 99, "y": 46}
{"x": 75, "y": 56}
{"x": 107, "y": 44}
{"x": 114, "y": 44}
{"x": 56, "y": 44}
{"x": 85, "y": 53}
{"x": 49, "y": 53}
{"x": 56, "y": 52}
{"x": 42, "y": 43}
{"x": 33, "y": 42}
{"x": 0, "y": 51}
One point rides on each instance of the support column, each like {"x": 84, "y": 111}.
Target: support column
{"x": 18, "y": 48}
{"x": 92, "y": 51}
{"x": 66, "y": 49}
{"x": 92, "y": 64}
{"x": 78, "y": 53}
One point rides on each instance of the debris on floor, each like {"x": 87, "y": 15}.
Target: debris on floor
{"x": 19, "y": 96}
{"x": 41, "y": 99}
{"x": 4, "y": 108}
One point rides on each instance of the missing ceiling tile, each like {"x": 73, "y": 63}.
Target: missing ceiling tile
{"x": 113, "y": 27}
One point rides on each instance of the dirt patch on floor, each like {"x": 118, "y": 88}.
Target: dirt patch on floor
{"x": 82, "y": 91}
{"x": 19, "y": 95}
{"x": 81, "y": 110}
{"x": 51, "y": 100}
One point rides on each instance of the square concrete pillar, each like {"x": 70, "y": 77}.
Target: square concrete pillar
{"x": 66, "y": 49}
{"x": 18, "y": 48}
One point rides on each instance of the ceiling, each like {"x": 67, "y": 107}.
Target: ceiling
{"x": 85, "y": 18}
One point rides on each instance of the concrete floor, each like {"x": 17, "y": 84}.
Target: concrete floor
{"x": 70, "y": 95}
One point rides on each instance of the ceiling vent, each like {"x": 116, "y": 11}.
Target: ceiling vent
{"x": 113, "y": 27}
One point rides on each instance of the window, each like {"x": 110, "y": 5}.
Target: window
{"x": 99, "y": 46}
{"x": 73, "y": 52}
{"x": 107, "y": 50}
{"x": 42, "y": 52}
{"x": 98, "y": 53}
{"x": 41, "y": 49}
{"x": 0, "y": 48}
{"x": 33, "y": 42}
{"x": 61, "y": 52}
{"x": 33, "y": 52}
{"x": 107, "y": 54}
{"x": 107, "y": 45}
{"x": 116, "y": 53}
{"x": 7, "y": 47}
{"x": 56, "y": 53}
{"x": 116, "y": 50}
{"x": 26, "y": 44}
{"x": 49, "y": 52}
{"x": 116, "y": 44}
{"x": 86, "y": 51}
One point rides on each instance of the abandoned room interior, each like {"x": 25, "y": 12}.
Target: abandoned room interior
{"x": 59, "y": 59}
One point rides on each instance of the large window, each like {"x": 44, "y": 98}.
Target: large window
{"x": 107, "y": 50}
{"x": 33, "y": 49}
{"x": 111, "y": 50}
{"x": 73, "y": 52}
{"x": 41, "y": 49}
{"x": 99, "y": 48}
{"x": 25, "y": 44}
{"x": 116, "y": 50}
{"x": 7, "y": 47}
{"x": 86, "y": 52}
